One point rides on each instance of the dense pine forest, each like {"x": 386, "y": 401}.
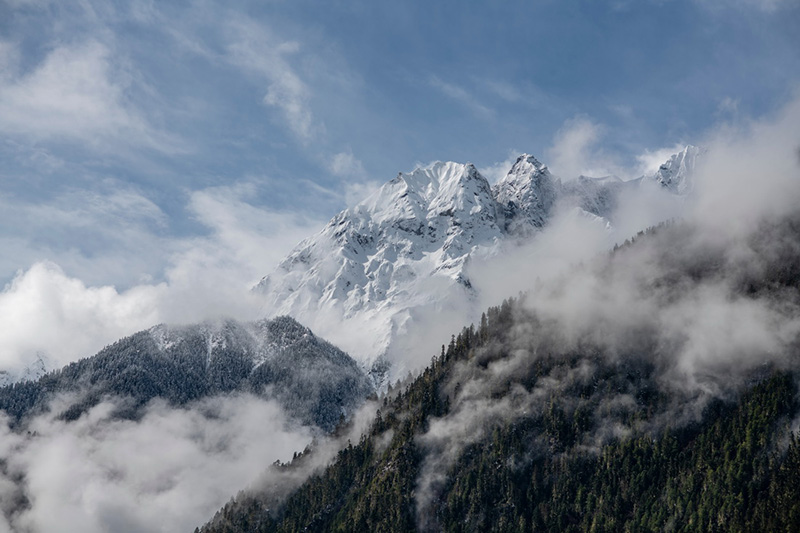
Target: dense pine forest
{"x": 523, "y": 424}
{"x": 314, "y": 381}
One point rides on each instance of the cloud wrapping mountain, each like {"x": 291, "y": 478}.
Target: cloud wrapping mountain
{"x": 384, "y": 278}
{"x": 693, "y": 312}
{"x": 174, "y": 418}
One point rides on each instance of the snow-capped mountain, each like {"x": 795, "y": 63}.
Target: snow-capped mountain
{"x": 432, "y": 216}
{"x": 527, "y": 193}
{"x": 395, "y": 252}
{"x": 401, "y": 257}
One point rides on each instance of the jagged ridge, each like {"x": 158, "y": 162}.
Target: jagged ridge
{"x": 403, "y": 253}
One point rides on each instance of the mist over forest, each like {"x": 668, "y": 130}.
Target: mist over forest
{"x": 673, "y": 343}
{"x": 357, "y": 266}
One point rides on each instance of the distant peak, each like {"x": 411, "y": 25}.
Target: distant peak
{"x": 689, "y": 152}
{"x": 527, "y": 159}
{"x": 524, "y": 169}
{"x": 527, "y": 192}
{"x": 676, "y": 173}
{"x": 526, "y": 166}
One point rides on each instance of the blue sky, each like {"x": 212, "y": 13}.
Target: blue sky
{"x": 141, "y": 140}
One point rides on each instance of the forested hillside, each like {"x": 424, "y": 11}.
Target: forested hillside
{"x": 314, "y": 381}
{"x": 620, "y": 423}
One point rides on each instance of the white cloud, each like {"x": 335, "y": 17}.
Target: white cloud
{"x": 214, "y": 274}
{"x": 254, "y": 48}
{"x": 76, "y": 93}
{"x": 575, "y": 152}
{"x": 496, "y": 171}
{"x": 749, "y": 172}
{"x": 746, "y": 174}
{"x": 91, "y": 232}
{"x": 346, "y": 165}
{"x": 44, "y": 310}
{"x": 169, "y": 471}
{"x": 649, "y": 161}
{"x": 356, "y": 191}
{"x": 356, "y": 185}
{"x": 203, "y": 277}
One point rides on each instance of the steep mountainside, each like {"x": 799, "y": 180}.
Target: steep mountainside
{"x": 383, "y": 268}
{"x": 527, "y": 193}
{"x": 676, "y": 173}
{"x": 316, "y": 382}
{"x": 610, "y": 421}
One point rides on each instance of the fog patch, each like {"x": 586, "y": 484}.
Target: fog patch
{"x": 165, "y": 472}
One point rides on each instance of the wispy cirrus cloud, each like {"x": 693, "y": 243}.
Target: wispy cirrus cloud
{"x": 78, "y": 92}
{"x": 256, "y": 49}
{"x": 258, "y": 52}
{"x": 88, "y": 231}
{"x": 462, "y": 96}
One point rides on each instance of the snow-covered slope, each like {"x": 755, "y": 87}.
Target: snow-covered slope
{"x": 676, "y": 173}
{"x": 401, "y": 257}
{"x": 395, "y": 252}
{"x": 433, "y": 217}
{"x": 527, "y": 193}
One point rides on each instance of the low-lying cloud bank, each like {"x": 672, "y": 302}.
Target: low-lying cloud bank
{"x": 168, "y": 471}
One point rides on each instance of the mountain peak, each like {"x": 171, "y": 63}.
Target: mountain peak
{"x": 414, "y": 195}
{"x": 527, "y": 193}
{"x": 388, "y": 263}
{"x": 675, "y": 174}
{"x": 524, "y": 160}
{"x": 430, "y": 179}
